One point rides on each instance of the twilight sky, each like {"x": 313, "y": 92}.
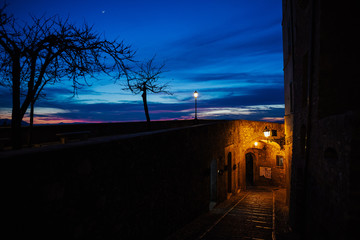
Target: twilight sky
{"x": 230, "y": 51}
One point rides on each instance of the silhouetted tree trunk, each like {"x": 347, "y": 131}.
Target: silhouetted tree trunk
{"x": 146, "y": 78}
{"x": 16, "y": 114}
{"x": 146, "y": 107}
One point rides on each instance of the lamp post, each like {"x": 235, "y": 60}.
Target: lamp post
{"x": 196, "y": 94}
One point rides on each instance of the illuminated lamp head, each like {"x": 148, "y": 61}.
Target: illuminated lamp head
{"x": 266, "y": 132}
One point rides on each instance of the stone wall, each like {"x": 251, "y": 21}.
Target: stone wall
{"x": 45, "y": 134}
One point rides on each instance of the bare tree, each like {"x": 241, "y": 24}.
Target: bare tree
{"x": 49, "y": 50}
{"x": 147, "y": 79}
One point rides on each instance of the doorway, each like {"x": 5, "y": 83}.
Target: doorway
{"x": 249, "y": 169}
{"x": 213, "y": 180}
{"x": 229, "y": 172}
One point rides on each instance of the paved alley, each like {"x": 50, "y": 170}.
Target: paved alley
{"x": 247, "y": 215}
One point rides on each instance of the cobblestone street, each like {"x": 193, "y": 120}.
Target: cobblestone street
{"x": 247, "y": 215}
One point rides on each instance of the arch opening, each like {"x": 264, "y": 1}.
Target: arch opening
{"x": 249, "y": 169}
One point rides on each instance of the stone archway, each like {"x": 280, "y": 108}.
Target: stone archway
{"x": 265, "y": 164}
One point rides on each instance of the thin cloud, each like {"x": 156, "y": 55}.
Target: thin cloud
{"x": 218, "y": 45}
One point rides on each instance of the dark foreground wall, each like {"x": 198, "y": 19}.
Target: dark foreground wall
{"x": 136, "y": 186}
{"x": 121, "y": 187}
{"x": 322, "y": 114}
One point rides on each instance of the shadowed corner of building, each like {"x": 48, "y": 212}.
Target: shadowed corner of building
{"x": 321, "y": 118}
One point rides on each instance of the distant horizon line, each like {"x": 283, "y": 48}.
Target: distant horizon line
{"x": 7, "y": 121}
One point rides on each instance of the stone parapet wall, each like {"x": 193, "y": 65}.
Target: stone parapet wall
{"x": 124, "y": 186}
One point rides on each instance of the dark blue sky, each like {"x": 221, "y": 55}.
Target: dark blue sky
{"x": 230, "y": 51}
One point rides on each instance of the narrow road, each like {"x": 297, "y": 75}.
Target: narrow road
{"x": 248, "y": 215}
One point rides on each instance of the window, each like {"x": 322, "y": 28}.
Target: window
{"x": 274, "y": 133}
{"x": 279, "y": 161}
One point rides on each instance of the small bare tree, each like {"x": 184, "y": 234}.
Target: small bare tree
{"x": 47, "y": 51}
{"x": 146, "y": 78}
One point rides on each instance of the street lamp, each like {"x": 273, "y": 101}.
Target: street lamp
{"x": 266, "y": 132}
{"x": 196, "y": 94}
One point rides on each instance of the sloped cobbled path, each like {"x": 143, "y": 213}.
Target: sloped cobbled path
{"x": 246, "y": 216}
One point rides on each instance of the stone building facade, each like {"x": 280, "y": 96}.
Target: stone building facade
{"x": 321, "y": 117}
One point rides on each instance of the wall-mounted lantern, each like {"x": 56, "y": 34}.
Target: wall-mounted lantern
{"x": 266, "y": 132}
